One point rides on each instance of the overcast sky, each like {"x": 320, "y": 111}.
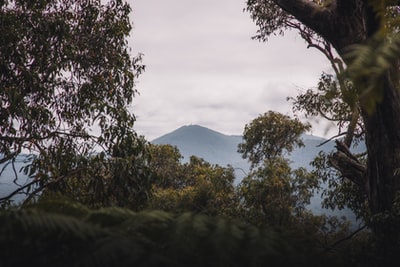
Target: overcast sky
{"x": 202, "y": 67}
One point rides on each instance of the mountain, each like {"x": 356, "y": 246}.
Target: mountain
{"x": 212, "y": 146}
{"x": 208, "y": 144}
{"x": 221, "y": 149}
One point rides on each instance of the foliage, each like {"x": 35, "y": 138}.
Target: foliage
{"x": 166, "y": 163}
{"x": 273, "y": 193}
{"x": 269, "y": 136}
{"x": 365, "y": 35}
{"x": 67, "y": 81}
{"x": 271, "y": 19}
{"x": 64, "y": 233}
{"x": 329, "y": 101}
{"x": 340, "y": 192}
{"x": 123, "y": 180}
{"x": 195, "y": 186}
{"x": 370, "y": 62}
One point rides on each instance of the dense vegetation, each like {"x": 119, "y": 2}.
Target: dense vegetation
{"x": 113, "y": 199}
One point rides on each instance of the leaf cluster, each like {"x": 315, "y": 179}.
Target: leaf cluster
{"x": 269, "y": 136}
{"x": 273, "y": 193}
{"x": 369, "y": 64}
{"x": 195, "y": 186}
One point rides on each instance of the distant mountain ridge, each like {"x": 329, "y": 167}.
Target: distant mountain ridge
{"x": 212, "y": 146}
{"x": 221, "y": 149}
{"x": 200, "y": 141}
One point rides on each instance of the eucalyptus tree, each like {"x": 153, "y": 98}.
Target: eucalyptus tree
{"x": 66, "y": 84}
{"x": 364, "y": 33}
{"x": 273, "y": 193}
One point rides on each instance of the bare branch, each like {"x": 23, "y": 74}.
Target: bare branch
{"x": 345, "y": 238}
{"x": 40, "y": 188}
{"x": 18, "y": 191}
{"x": 330, "y": 139}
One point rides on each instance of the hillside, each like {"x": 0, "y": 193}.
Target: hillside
{"x": 221, "y": 149}
{"x": 213, "y": 147}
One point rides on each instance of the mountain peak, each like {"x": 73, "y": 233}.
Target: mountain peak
{"x": 203, "y": 142}
{"x": 194, "y": 132}
{"x": 196, "y": 128}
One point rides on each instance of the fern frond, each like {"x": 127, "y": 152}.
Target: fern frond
{"x": 120, "y": 237}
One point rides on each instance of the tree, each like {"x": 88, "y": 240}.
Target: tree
{"x": 269, "y": 136}
{"x": 64, "y": 233}
{"x": 273, "y": 193}
{"x": 123, "y": 180}
{"x": 326, "y": 101}
{"x": 67, "y": 80}
{"x": 194, "y": 186}
{"x": 366, "y": 38}
{"x": 166, "y": 163}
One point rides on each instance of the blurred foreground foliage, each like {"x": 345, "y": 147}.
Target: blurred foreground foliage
{"x": 59, "y": 232}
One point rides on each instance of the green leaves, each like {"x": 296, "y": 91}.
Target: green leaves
{"x": 269, "y": 136}
{"x": 369, "y": 65}
{"x": 196, "y": 186}
{"x": 272, "y": 193}
{"x": 65, "y": 69}
{"x": 63, "y": 233}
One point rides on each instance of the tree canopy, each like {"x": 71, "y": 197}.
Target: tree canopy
{"x": 272, "y": 193}
{"x": 365, "y": 35}
{"x": 67, "y": 82}
{"x": 67, "y": 85}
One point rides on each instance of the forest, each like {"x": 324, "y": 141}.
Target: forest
{"x": 111, "y": 198}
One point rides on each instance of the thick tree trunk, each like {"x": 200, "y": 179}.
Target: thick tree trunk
{"x": 345, "y": 23}
{"x": 355, "y": 22}
{"x": 383, "y": 146}
{"x": 383, "y": 180}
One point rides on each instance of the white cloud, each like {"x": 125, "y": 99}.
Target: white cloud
{"x": 203, "y": 68}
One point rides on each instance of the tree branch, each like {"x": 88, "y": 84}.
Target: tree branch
{"x": 345, "y": 238}
{"x": 309, "y": 13}
{"x": 330, "y": 139}
{"x": 40, "y": 188}
{"x": 348, "y": 165}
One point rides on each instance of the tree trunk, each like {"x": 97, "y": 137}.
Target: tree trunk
{"x": 383, "y": 179}
{"x": 382, "y": 134}
{"x": 345, "y": 23}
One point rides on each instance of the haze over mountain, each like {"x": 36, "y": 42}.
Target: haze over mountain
{"x": 205, "y": 143}
{"x": 213, "y": 147}
{"x": 221, "y": 149}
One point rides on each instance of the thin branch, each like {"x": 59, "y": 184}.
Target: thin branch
{"x": 8, "y": 157}
{"x": 17, "y": 191}
{"x": 330, "y": 139}
{"x": 345, "y": 238}
{"x": 245, "y": 173}
{"x": 54, "y": 181}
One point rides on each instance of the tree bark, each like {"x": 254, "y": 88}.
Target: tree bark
{"x": 383, "y": 146}
{"x": 354, "y": 22}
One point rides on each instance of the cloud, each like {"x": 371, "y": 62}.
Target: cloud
{"x": 203, "y": 68}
